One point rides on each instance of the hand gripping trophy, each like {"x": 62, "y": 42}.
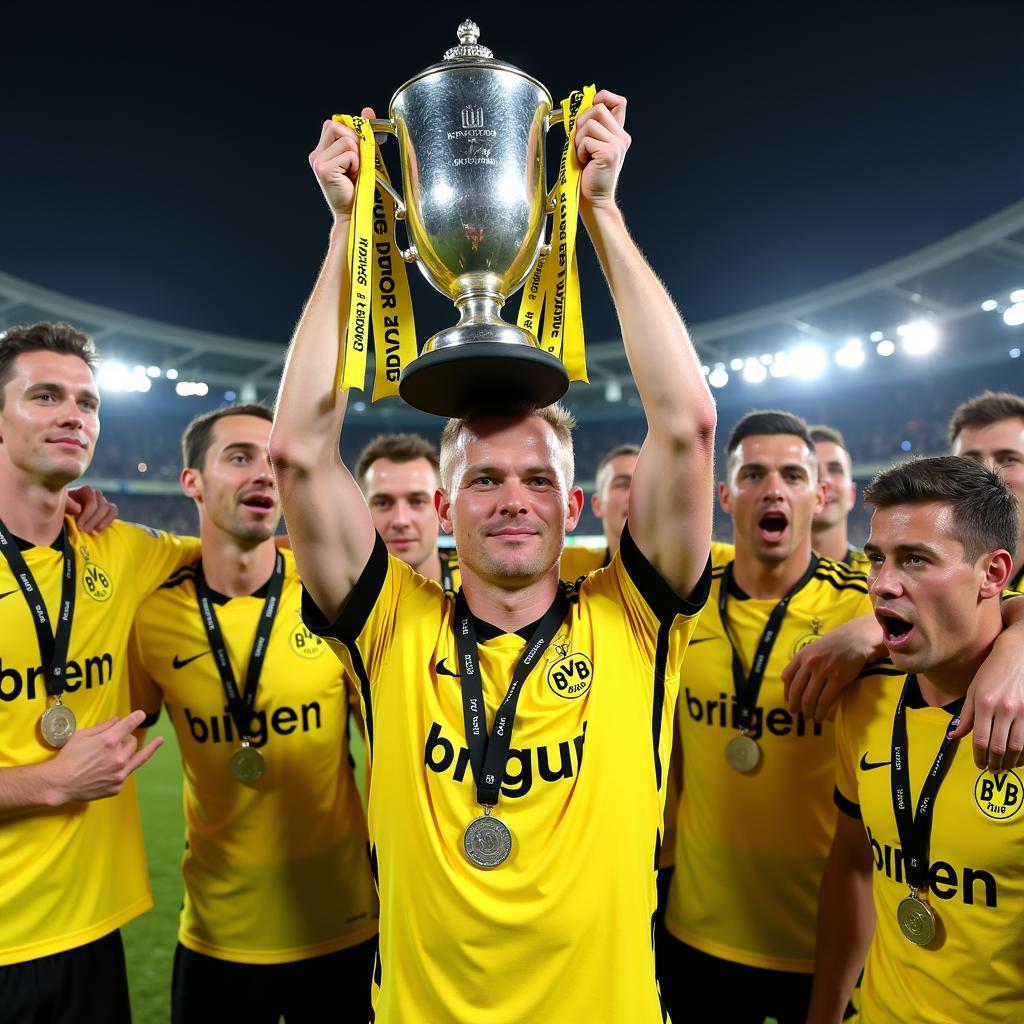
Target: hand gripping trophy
{"x": 471, "y": 132}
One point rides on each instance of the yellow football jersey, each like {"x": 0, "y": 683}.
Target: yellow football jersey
{"x": 563, "y": 929}
{"x": 974, "y": 971}
{"x": 71, "y": 875}
{"x": 579, "y": 561}
{"x": 451, "y": 576}
{"x": 750, "y": 849}
{"x": 276, "y": 871}
{"x": 857, "y": 559}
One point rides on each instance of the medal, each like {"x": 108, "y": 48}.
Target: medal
{"x": 743, "y": 754}
{"x": 916, "y": 919}
{"x": 57, "y": 724}
{"x": 247, "y": 765}
{"x": 488, "y": 841}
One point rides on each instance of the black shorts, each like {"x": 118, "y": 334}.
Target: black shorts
{"x": 334, "y": 987}
{"x": 86, "y": 985}
{"x": 747, "y": 994}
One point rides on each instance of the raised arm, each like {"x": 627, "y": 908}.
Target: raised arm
{"x": 846, "y": 921}
{"x": 328, "y": 521}
{"x": 670, "y": 500}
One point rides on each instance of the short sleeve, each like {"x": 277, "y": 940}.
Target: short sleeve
{"x": 653, "y": 609}
{"x": 387, "y": 591}
{"x": 146, "y": 695}
{"x": 155, "y": 555}
{"x": 846, "y": 797}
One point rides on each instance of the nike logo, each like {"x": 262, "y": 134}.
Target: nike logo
{"x": 182, "y": 662}
{"x": 866, "y": 765}
{"x": 443, "y": 670}
{"x": 701, "y": 640}
{"x": 7, "y": 593}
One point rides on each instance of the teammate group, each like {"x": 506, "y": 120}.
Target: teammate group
{"x": 603, "y": 785}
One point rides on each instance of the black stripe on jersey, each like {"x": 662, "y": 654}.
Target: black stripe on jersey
{"x": 660, "y": 658}
{"x": 364, "y": 689}
{"x": 858, "y": 583}
{"x": 660, "y": 597}
{"x": 841, "y": 569}
{"x": 848, "y": 807}
{"x": 884, "y": 667}
{"x": 179, "y": 576}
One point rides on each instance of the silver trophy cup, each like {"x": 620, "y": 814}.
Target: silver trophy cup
{"x": 471, "y": 133}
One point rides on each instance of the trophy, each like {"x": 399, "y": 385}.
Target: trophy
{"x": 471, "y": 132}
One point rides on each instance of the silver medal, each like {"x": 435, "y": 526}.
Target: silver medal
{"x": 247, "y": 765}
{"x": 917, "y": 920}
{"x": 488, "y": 841}
{"x": 57, "y": 725}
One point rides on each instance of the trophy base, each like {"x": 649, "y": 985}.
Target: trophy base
{"x": 456, "y": 380}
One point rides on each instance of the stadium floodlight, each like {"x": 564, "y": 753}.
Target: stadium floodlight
{"x": 1017, "y": 296}
{"x": 877, "y": 335}
{"x": 171, "y": 374}
{"x": 851, "y": 355}
{"x": 989, "y": 304}
{"x": 808, "y": 360}
{"x": 736, "y": 364}
{"x": 613, "y": 391}
{"x": 767, "y": 359}
{"x": 1015, "y": 353}
{"x": 886, "y": 347}
{"x": 189, "y": 388}
{"x": 719, "y": 376}
{"x": 705, "y": 369}
{"x": 1014, "y": 315}
{"x": 111, "y": 375}
{"x": 781, "y": 366}
{"x": 154, "y": 371}
{"x": 753, "y": 371}
{"x": 919, "y": 337}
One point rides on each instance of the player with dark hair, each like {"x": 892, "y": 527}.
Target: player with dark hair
{"x": 279, "y": 903}
{"x": 925, "y": 874}
{"x": 829, "y": 534}
{"x": 72, "y": 862}
{"x": 755, "y": 817}
{"x": 398, "y": 474}
{"x": 515, "y": 886}
{"x": 990, "y": 429}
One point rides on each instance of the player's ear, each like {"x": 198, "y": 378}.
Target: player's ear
{"x": 574, "y": 509}
{"x": 725, "y": 498}
{"x": 596, "y": 505}
{"x": 191, "y": 483}
{"x": 997, "y": 567}
{"x": 443, "y": 507}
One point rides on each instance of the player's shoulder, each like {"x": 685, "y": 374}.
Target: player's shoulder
{"x": 857, "y": 560}
{"x": 839, "y": 583}
{"x": 875, "y": 691}
{"x": 721, "y": 554}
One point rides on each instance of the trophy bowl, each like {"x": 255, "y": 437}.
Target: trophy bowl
{"x": 471, "y": 133}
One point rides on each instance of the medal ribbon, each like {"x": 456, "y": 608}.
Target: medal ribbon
{"x": 915, "y": 830}
{"x": 53, "y": 648}
{"x": 550, "y": 308}
{"x": 488, "y": 754}
{"x": 379, "y": 300}
{"x": 749, "y": 687}
{"x": 241, "y": 706}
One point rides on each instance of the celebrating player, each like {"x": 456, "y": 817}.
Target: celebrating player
{"x": 925, "y": 872}
{"x": 756, "y": 815}
{"x": 279, "y": 903}
{"x": 516, "y": 885}
{"x": 74, "y": 867}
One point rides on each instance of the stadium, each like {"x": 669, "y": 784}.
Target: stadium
{"x": 883, "y": 352}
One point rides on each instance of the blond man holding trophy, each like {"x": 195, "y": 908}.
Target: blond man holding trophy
{"x": 516, "y": 885}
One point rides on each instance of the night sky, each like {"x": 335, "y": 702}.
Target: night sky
{"x": 157, "y": 164}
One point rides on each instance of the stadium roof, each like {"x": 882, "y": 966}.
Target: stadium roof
{"x": 942, "y": 285}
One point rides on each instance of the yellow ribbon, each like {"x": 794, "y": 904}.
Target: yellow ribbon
{"x": 550, "y": 308}
{"x": 379, "y": 299}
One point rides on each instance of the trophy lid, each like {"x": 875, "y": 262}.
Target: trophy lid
{"x": 470, "y": 54}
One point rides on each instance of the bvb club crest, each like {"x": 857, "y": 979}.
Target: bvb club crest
{"x": 570, "y": 675}
{"x": 808, "y": 638}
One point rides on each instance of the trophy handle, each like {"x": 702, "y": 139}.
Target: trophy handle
{"x": 557, "y": 116}
{"x": 385, "y": 126}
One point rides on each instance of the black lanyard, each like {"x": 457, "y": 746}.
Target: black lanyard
{"x": 915, "y": 830}
{"x": 488, "y": 754}
{"x": 53, "y": 648}
{"x": 241, "y": 707}
{"x": 748, "y": 687}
